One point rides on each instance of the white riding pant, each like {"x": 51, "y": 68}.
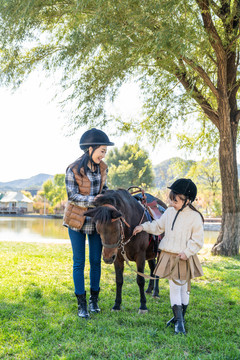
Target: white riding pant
{"x": 178, "y": 294}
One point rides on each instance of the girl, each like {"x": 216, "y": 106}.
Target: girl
{"x": 85, "y": 179}
{"x": 183, "y": 227}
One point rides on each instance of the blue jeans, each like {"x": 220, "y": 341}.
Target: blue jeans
{"x": 78, "y": 240}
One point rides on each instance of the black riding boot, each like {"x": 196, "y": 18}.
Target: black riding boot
{"x": 178, "y": 319}
{"x": 184, "y": 309}
{"x": 172, "y": 321}
{"x": 93, "y": 301}
{"x": 82, "y": 306}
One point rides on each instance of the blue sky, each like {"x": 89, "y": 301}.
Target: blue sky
{"x": 33, "y": 138}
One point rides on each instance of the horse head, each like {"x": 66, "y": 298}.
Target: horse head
{"x": 109, "y": 229}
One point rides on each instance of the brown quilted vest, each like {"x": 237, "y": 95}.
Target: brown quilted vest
{"x": 73, "y": 214}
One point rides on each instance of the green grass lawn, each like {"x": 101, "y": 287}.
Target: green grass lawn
{"x": 38, "y": 311}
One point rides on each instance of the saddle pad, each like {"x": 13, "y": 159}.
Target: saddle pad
{"x": 154, "y": 210}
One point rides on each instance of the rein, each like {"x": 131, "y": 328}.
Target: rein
{"x": 188, "y": 279}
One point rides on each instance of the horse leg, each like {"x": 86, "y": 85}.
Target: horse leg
{"x": 156, "y": 288}
{"x": 153, "y": 284}
{"x": 119, "y": 267}
{"x": 151, "y": 264}
{"x": 141, "y": 282}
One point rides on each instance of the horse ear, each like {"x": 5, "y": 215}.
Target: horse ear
{"x": 90, "y": 213}
{"x": 115, "y": 214}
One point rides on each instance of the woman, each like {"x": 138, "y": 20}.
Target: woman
{"x": 86, "y": 179}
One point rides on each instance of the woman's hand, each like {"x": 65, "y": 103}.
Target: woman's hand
{"x": 182, "y": 256}
{"x": 97, "y": 197}
{"x": 137, "y": 229}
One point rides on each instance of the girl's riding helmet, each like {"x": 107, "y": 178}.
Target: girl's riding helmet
{"x": 185, "y": 187}
{"x": 94, "y": 137}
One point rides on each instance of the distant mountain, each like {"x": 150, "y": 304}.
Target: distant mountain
{"x": 163, "y": 176}
{"x": 34, "y": 182}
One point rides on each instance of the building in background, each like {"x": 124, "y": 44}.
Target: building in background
{"x": 14, "y": 202}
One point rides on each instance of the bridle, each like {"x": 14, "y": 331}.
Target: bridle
{"x": 121, "y": 243}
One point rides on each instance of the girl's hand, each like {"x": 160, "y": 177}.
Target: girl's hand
{"x": 182, "y": 256}
{"x": 137, "y": 229}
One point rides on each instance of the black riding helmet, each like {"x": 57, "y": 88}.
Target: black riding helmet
{"x": 185, "y": 187}
{"x": 94, "y": 137}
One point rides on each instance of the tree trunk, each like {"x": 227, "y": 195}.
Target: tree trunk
{"x": 228, "y": 239}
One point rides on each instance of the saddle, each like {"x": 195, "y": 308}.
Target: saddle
{"x": 153, "y": 212}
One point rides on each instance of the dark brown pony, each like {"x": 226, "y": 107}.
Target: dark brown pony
{"x": 116, "y": 214}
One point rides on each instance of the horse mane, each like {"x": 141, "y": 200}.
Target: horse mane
{"x": 121, "y": 199}
{"x": 102, "y": 214}
{"x": 114, "y": 197}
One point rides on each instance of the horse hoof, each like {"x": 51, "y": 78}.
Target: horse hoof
{"x": 140, "y": 311}
{"x": 156, "y": 296}
{"x": 116, "y": 308}
{"x": 148, "y": 292}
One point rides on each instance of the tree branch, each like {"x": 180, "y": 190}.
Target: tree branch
{"x": 212, "y": 59}
{"x": 233, "y": 41}
{"x": 216, "y": 9}
{"x": 198, "y": 97}
{"x": 203, "y": 75}
{"x": 235, "y": 88}
{"x": 214, "y": 38}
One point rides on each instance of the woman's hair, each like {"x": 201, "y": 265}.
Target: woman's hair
{"x": 172, "y": 197}
{"x": 84, "y": 160}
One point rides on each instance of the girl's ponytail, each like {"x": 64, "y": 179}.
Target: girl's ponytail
{"x": 194, "y": 209}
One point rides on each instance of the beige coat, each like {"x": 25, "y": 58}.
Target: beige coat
{"x": 187, "y": 234}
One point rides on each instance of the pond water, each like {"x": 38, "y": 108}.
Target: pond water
{"x": 29, "y": 229}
